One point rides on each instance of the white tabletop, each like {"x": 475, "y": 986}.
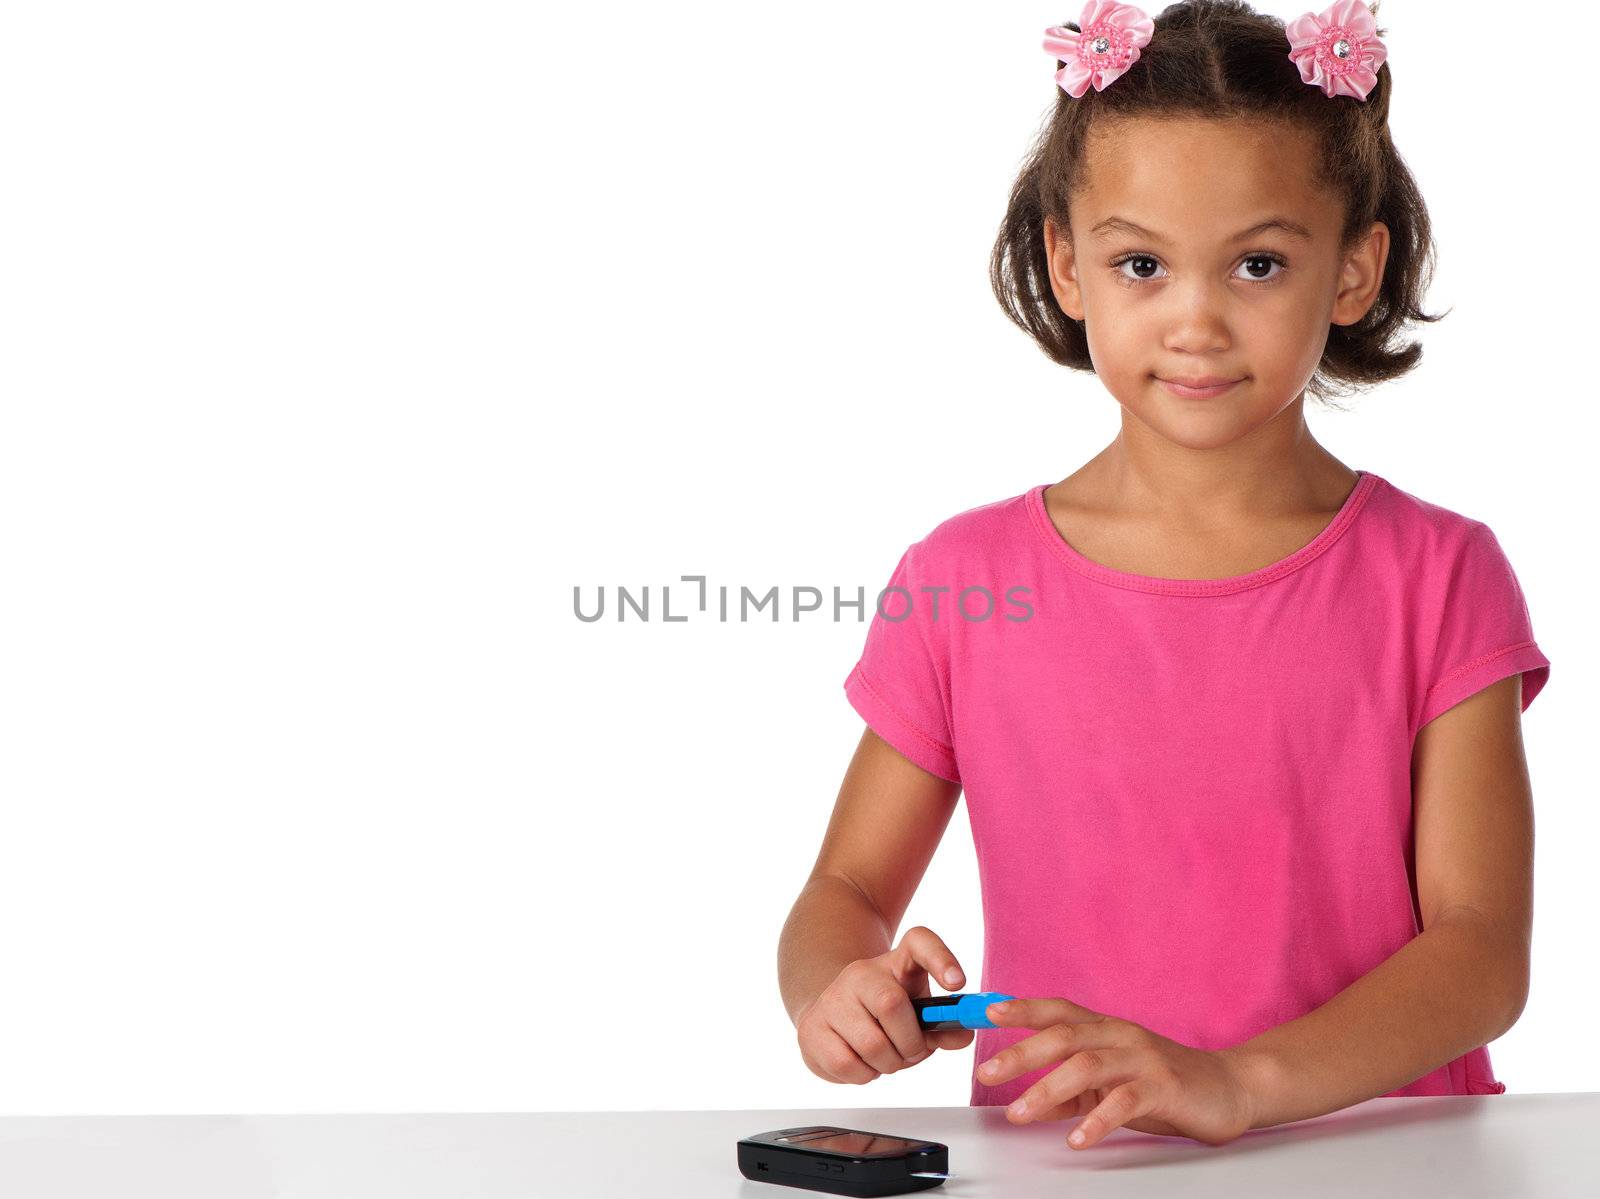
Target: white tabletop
{"x": 1526, "y": 1146}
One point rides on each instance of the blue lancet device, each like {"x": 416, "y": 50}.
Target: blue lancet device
{"x": 957, "y": 1011}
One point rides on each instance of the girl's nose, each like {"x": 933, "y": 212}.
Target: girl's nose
{"x": 1198, "y": 321}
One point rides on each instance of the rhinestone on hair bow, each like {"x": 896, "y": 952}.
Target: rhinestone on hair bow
{"x": 1105, "y": 44}
{"x": 1338, "y": 49}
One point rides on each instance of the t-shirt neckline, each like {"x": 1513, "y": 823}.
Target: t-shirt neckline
{"x": 1331, "y": 532}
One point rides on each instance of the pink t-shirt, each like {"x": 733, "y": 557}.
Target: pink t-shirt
{"x": 1191, "y": 800}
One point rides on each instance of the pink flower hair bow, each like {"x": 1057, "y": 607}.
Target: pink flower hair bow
{"x": 1105, "y": 44}
{"x": 1338, "y": 49}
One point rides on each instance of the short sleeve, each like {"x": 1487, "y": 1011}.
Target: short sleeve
{"x": 1485, "y": 632}
{"x": 900, "y": 683}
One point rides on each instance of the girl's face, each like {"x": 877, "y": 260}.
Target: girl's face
{"x": 1204, "y": 287}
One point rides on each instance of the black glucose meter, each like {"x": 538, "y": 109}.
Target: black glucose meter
{"x": 843, "y": 1161}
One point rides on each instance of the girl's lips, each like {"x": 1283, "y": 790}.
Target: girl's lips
{"x": 1198, "y": 393}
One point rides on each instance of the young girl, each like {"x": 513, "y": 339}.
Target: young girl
{"x": 1238, "y": 726}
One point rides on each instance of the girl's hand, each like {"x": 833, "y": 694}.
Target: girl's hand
{"x": 863, "y": 1025}
{"x": 1119, "y": 1073}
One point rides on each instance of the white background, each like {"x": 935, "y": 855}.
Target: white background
{"x": 342, "y": 341}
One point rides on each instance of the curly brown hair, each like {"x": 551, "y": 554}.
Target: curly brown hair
{"x": 1221, "y": 59}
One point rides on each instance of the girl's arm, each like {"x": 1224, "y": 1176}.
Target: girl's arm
{"x": 1463, "y": 980}
{"x": 887, "y": 821}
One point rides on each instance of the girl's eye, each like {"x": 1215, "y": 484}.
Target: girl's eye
{"x": 1257, "y": 268}
{"x": 1141, "y": 263}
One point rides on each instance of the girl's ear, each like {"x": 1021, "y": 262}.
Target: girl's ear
{"x": 1361, "y": 277}
{"x": 1063, "y": 270}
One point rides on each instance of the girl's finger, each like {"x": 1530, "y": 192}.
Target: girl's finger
{"x": 922, "y": 949}
{"x": 841, "y": 1062}
{"x": 872, "y": 1042}
{"x": 1108, "y": 1069}
{"x": 1054, "y": 1044}
{"x": 890, "y": 1008}
{"x": 1078, "y": 1105}
{"x": 1126, "y": 1102}
{"x": 1040, "y": 1013}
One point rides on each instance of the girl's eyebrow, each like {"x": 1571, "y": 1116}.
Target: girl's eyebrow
{"x": 1116, "y": 224}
